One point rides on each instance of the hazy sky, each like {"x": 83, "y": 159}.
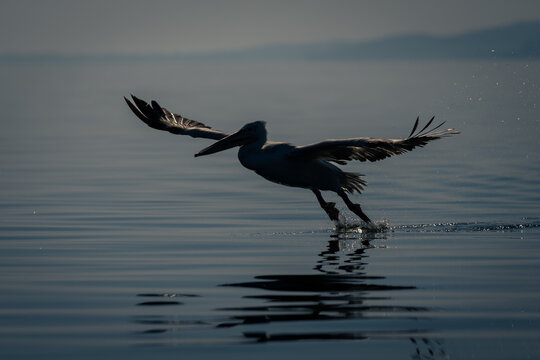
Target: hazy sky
{"x": 75, "y": 27}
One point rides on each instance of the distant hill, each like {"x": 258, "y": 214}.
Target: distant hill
{"x": 517, "y": 41}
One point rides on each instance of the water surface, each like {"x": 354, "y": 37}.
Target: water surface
{"x": 115, "y": 241}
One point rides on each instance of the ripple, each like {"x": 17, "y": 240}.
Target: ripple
{"x": 159, "y": 303}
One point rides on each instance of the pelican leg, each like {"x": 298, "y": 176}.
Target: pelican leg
{"x": 355, "y": 208}
{"x": 328, "y": 207}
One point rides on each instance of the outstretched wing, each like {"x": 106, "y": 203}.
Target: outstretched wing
{"x": 370, "y": 149}
{"x": 158, "y": 117}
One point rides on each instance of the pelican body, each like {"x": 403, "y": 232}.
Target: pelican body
{"x": 311, "y": 167}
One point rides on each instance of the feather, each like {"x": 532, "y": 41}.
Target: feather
{"x": 160, "y": 118}
{"x": 415, "y": 126}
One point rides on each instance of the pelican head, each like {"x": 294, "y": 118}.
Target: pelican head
{"x": 249, "y": 133}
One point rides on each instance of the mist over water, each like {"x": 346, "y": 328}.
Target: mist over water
{"x": 114, "y": 240}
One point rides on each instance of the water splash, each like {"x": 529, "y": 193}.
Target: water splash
{"x": 346, "y": 226}
{"x": 353, "y": 228}
{"x": 467, "y": 227}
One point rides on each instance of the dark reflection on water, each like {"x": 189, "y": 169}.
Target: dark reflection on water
{"x": 336, "y": 297}
{"x": 340, "y": 291}
{"x": 353, "y": 262}
{"x": 159, "y": 324}
{"x": 162, "y": 299}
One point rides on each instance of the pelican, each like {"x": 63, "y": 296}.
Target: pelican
{"x": 310, "y": 167}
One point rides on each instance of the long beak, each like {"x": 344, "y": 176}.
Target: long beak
{"x": 239, "y": 138}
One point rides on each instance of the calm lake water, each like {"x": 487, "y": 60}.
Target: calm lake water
{"x": 115, "y": 241}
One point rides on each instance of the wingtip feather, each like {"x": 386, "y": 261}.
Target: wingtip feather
{"x": 427, "y": 125}
{"x": 415, "y": 126}
{"x": 137, "y": 112}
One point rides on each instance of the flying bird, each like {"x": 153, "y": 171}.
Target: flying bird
{"x": 311, "y": 167}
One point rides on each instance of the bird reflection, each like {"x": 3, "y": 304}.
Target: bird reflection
{"x": 353, "y": 261}
{"x": 340, "y": 290}
{"x": 337, "y": 300}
